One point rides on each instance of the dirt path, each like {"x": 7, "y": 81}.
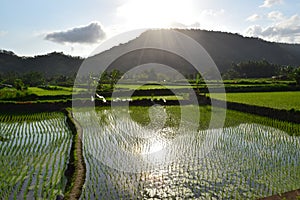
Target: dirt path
{"x": 76, "y": 168}
{"x": 292, "y": 195}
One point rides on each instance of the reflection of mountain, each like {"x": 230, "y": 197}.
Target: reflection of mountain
{"x": 224, "y": 48}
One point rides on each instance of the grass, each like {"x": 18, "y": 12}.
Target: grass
{"x": 278, "y": 100}
{"x": 150, "y": 87}
{"x": 211, "y": 85}
{"x": 10, "y": 93}
{"x": 53, "y": 92}
{"x": 258, "y": 81}
{"x": 76, "y": 167}
{"x": 167, "y": 98}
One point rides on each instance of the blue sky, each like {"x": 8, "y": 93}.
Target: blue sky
{"x": 75, "y": 27}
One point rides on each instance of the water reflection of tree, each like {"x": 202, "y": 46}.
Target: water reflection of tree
{"x": 103, "y": 116}
{"x": 141, "y": 116}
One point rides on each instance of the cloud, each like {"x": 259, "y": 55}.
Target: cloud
{"x": 270, "y": 3}
{"x": 253, "y": 18}
{"x": 212, "y": 12}
{"x": 181, "y": 25}
{"x": 275, "y": 15}
{"x": 285, "y": 30}
{"x": 254, "y": 30}
{"x": 91, "y": 33}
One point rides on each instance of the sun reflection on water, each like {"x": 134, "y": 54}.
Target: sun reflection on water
{"x": 152, "y": 147}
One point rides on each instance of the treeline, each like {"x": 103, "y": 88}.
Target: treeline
{"x": 107, "y": 80}
{"x": 55, "y": 63}
{"x": 261, "y": 69}
{"x": 33, "y": 79}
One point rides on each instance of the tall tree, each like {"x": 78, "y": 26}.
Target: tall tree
{"x": 115, "y": 75}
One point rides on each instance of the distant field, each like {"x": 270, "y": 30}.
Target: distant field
{"x": 202, "y": 85}
{"x": 212, "y": 84}
{"x": 150, "y": 87}
{"x": 171, "y": 97}
{"x": 279, "y": 100}
{"x": 58, "y": 91}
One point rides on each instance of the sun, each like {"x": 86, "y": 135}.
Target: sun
{"x": 156, "y": 13}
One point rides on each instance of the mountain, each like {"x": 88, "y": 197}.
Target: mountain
{"x": 224, "y": 49}
{"x": 50, "y": 64}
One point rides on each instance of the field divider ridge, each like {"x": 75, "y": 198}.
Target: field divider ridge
{"x": 273, "y": 113}
{"x": 76, "y": 170}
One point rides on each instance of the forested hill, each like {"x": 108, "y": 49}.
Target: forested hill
{"x": 224, "y": 48}
{"x": 50, "y": 64}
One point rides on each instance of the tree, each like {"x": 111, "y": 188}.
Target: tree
{"x": 115, "y": 75}
{"x": 254, "y": 69}
{"x": 19, "y": 85}
{"x": 198, "y": 82}
{"x": 33, "y": 79}
{"x": 104, "y": 79}
{"x": 10, "y": 77}
{"x": 297, "y": 75}
{"x": 231, "y": 74}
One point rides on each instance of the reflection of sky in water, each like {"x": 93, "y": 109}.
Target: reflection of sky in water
{"x": 246, "y": 161}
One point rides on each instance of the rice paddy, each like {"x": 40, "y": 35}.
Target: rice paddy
{"x": 128, "y": 158}
{"x": 34, "y": 151}
{"x": 278, "y": 100}
{"x": 150, "y": 152}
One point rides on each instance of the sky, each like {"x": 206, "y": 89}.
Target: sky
{"x": 77, "y": 27}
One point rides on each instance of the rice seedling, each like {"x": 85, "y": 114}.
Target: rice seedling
{"x": 279, "y": 100}
{"x": 243, "y": 160}
{"x": 34, "y": 155}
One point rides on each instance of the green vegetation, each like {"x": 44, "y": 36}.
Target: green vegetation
{"x": 12, "y": 93}
{"x": 76, "y": 167}
{"x": 53, "y": 90}
{"x": 33, "y": 155}
{"x": 262, "y": 69}
{"x": 47, "y": 92}
{"x": 166, "y": 98}
{"x": 279, "y": 100}
{"x": 247, "y": 159}
{"x": 297, "y": 75}
{"x": 150, "y": 86}
{"x": 40, "y": 94}
{"x": 35, "y": 79}
{"x": 253, "y": 69}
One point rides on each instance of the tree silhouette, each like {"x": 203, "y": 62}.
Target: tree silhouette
{"x": 297, "y": 75}
{"x": 115, "y": 75}
{"x": 19, "y": 85}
